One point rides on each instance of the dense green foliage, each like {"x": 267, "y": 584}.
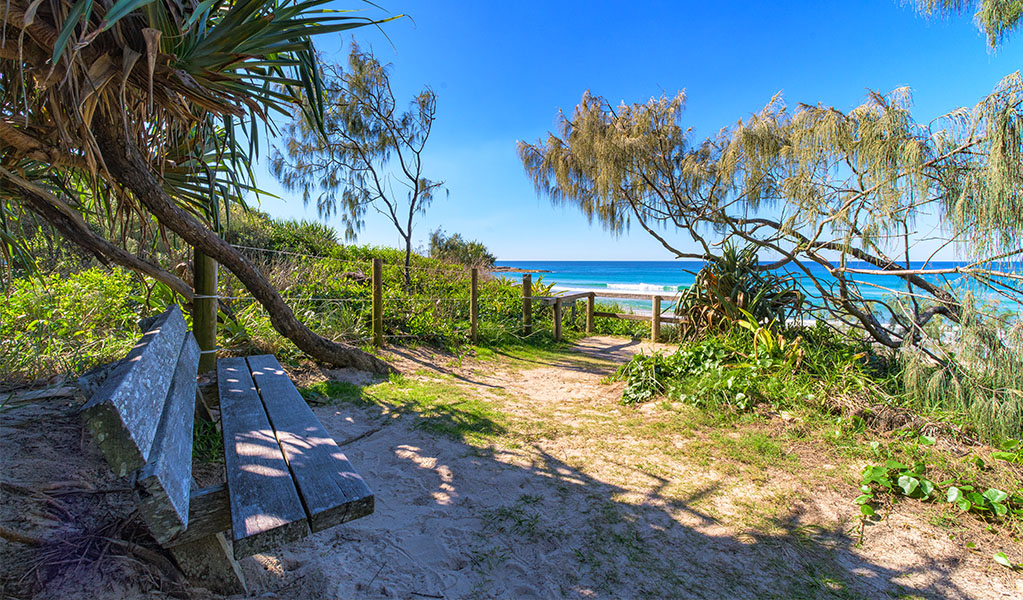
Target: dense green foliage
{"x": 80, "y": 315}
{"x": 749, "y": 364}
{"x": 54, "y": 323}
{"x": 458, "y": 250}
{"x": 257, "y": 230}
{"x": 741, "y": 367}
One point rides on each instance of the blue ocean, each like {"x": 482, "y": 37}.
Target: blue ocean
{"x": 648, "y": 277}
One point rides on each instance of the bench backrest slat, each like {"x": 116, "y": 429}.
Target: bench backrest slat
{"x": 265, "y": 508}
{"x": 125, "y": 413}
{"x": 164, "y": 483}
{"x": 331, "y": 490}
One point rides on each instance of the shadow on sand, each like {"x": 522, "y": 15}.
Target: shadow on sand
{"x": 573, "y": 535}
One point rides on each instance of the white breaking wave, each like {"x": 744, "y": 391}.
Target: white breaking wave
{"x": 641, "y": 287}
{"x": 633, "y": 288}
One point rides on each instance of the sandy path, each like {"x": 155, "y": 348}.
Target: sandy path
{"x": 554, "y": 511}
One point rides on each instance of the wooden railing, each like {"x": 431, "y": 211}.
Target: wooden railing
{"x": 561, "y": 301}
{"x": 205, "y": 306}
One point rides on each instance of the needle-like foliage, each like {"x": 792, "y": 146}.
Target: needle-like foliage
{"x": 370, "y": 152}
{"x": 829, "y": 196}
{"x": 996, "y": 18}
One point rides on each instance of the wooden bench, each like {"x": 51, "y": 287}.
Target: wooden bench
{"x": 286, "y": 478}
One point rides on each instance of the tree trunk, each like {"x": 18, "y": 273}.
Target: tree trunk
{"x": 408, "y": 263}
{"x": 125, "y": 163}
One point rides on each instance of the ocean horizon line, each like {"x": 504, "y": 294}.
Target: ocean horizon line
{"x": 503, "y": 262}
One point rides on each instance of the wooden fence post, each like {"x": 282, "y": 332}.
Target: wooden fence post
{"x": 557, "y": 319}
{"x": 204, "y": 308}
{"x": 655, "y": 320}
{"x": 590, "y": 301}
{"x": 378, "y": 302}
{"x": 474, "y": 304}
{"x": 527, "y": 303}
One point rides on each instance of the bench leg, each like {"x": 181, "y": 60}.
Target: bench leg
{"x": 209, "y": 561}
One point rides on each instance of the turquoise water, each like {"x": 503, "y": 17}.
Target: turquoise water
{"x": 647, "y": 277}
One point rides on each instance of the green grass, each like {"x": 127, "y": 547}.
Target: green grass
{"x": 522, "y": 519}
{"x": 438, "y": 407}
{"x": 752, "y": 448}
{"x": 330, "y": 392}
{"x": 207, "y": 443}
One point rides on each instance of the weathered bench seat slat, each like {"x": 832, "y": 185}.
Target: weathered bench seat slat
{"x": 124, "y": 414}
{"x": 265, "y": 507}
{"x": 164, "y": 483}
{"x": 331, "y": 491}
{"x": 286, "y": 477}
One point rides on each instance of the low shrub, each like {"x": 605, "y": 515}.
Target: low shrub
{"x": 56, "y": 324}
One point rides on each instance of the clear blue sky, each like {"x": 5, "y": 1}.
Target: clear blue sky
{"x": 502, "y": 70}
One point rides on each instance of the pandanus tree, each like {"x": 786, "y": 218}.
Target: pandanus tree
{"x": 145, "y": 115}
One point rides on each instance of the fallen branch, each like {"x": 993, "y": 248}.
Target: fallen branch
{"x": 360, "y": 436}
{"x": 20, "y": 538}
{"x": 158, "y": 560}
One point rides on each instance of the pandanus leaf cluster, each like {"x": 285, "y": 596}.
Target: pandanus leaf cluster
{"x": 129, "y": 124}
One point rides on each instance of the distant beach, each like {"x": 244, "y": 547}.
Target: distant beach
{"x": 639, "y": 277}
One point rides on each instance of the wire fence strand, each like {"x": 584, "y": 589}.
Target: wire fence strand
{"x": 441, "y": 315}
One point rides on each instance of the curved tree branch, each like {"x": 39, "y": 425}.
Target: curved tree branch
{"x": 70, "y": 224}
{"x": 126, "y": 164}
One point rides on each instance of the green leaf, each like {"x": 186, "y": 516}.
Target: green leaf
{"x": 864, "y": 498}
{"x": 908, "y": 484}
{"x": 954, "y": 494}
{"x": 1003, "y": 560}
{"x": 866, "y": 510}
{"x": 995, "y": 495}
{"x": 926, "y": 440}
{"x": 79, "y": 12}
{"x": 926, "y": 487}
{"x": 894, "y": 464}
{"x": 119, "y": 10}
{"x": 964, "y": 505}
{"x": 198, "y": 12}
{"x": 873, "y": 473}
{"x": 1000, "y": 509}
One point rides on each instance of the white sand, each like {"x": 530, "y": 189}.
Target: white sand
{"x": 454, "y": 521}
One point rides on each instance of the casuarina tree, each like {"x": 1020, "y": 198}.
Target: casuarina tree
{"x": 371, "y": 156}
